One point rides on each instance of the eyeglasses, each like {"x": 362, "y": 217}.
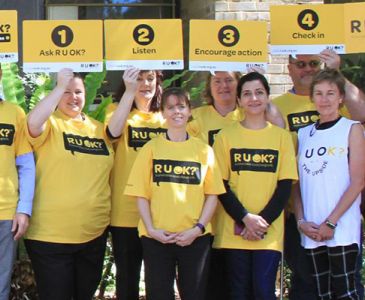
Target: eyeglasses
{"x": 300, "y": 64}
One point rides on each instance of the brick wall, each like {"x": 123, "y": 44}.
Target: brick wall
{"x": 256, "y": 10}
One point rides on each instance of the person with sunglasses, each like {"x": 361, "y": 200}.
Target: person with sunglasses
{"x": 299, "y": 111}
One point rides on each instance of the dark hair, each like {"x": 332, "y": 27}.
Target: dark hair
{"x": 291, "y": 59}
{"x": 331, "y": 76}
{"x": 80, "y": 76}
{"x": 156, "y": 100}
{"x": 207, "y": 93}
{"x": 181, "y": 94}
{"x": 251, "y": 77}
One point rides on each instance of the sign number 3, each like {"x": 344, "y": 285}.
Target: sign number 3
{"x": 228, "y": 36}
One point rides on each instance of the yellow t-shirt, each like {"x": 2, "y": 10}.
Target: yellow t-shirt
{"x": 253, "y": 161}
{"x": 299, "y": 111}
{"x": 207, "y": 122}
{"x": 175, "y": 177}
{"x": 139, "y": 129}
{"x": 72, "y": 195}
{"x": 13, "y": 143}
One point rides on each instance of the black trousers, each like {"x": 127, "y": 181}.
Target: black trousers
{"x": 218, "y": 283}
{"x": 303, "y": 285}
{"x": 127, "y": 249}
{"x": 67, "y": 271}
{"x": 192, "y": 264}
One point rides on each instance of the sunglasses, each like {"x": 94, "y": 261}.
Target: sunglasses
{"x": 303, "y": 64}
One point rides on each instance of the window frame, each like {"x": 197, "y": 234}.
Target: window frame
{"x": 173, "y": 5}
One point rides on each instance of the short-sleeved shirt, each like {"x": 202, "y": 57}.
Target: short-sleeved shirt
{"x": 207, "y": 122}
{"x": 72, "y": 195}
{"x": 13, "y": 143}
{"x": 175, "y": 177}
{"x": 253, "y": 161}
{"x": 140, "y": 128}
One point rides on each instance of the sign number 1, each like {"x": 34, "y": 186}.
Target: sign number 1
{"x": 62, "y": 36}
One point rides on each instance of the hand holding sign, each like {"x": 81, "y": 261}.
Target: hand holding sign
{"x": 64, "y": 77}
{"x": 130, "y": 78}
{"x": 330, "y": 58}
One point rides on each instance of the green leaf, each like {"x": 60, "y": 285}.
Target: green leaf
{"x": 99, "y": 112}
{"x": 166, "y": 83}
{"x": 12, "y": 85}
{"x": 189, "y": 79}
{"x": 196, "y": 91}
{"x": 349, "y": 62}
{"x": 93, "y": 82}
{"x": 42, "y": 90}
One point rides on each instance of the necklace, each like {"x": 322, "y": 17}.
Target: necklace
{"x": 313, "y": 130}
{"x": 187, "y": 137}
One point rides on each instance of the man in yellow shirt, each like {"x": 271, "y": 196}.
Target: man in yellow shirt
{"x": 299, "y": 111}
{"x": 17, "y": 179}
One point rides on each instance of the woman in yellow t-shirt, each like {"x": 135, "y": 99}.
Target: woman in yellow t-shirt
{"x": 222, "y": 110}
{"x": 258, "y": 165}
{"x": 66, "y": 237}
{"x": 176, "y": 180}
{"x": 131, "y": 123}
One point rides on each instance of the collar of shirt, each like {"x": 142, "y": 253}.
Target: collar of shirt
{"x": 326, "y": 125}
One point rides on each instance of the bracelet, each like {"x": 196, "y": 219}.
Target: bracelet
{"x": 201, "y": 227}
{"x": 300, "y": 222}
{"x": 330, "y": 225}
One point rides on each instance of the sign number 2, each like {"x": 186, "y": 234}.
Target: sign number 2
{"x": 143, "y": 34}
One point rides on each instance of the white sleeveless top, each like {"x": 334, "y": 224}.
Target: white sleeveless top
{"x": 324, "y": 176}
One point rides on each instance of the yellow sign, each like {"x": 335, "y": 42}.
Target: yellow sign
{"x": 49, "y": 46}
{"x": 355, "y": 27}
{"x": 8, "y": 36}
{"x": 307, "y": 29}
{"x": 227, "y": 45}
{"x": 145, "y": 44}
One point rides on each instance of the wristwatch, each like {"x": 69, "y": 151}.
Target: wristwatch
{"x": 300, "y": 222}
{"x": 201, "y": 227}
{"x": 330, "y": 225}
